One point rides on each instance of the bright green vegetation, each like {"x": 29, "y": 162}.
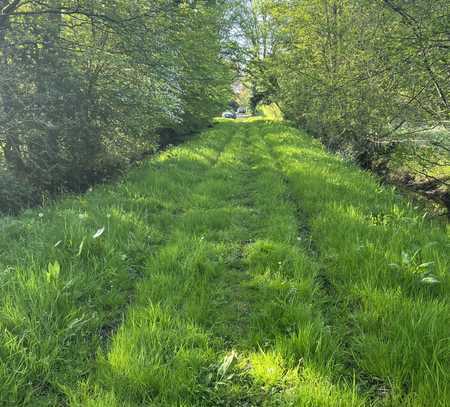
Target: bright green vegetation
{"x": 247, "y": 267}
{"x": 368, "y": 78}
{"x": 86, "y": 87}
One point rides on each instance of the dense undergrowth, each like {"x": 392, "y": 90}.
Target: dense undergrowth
{"x": 246, "y": 267}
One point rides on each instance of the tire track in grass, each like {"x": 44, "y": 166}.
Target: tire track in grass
{"x": 327, "y": 293}
{"x": 329, "y": 302}
{"x": 322, "y": 364}
{"x": 138, "y": 257}
{"x": 282, "y": 355}
{"x": 378, "y": 314}
{"x": 53, "y": 324}
{"x": 226, "y": 313}
{"x": 326, "y": 298}
{"x": 162, "y": 317}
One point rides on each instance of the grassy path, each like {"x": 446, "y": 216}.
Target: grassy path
{"x": 244, "y": 268}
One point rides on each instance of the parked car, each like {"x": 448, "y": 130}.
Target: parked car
{"x": 229, "y": 115}
{"x": 241, "y": 110}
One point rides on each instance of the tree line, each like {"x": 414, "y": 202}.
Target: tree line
{"x": 87, "y": 86}
{"x": 369, "y": 78}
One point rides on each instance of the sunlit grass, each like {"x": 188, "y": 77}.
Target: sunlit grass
{"x": 247, "y": 267}
{"x": 388, "y": 268}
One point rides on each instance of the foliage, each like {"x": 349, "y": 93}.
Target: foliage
{"x": 369, "y": 78}
{"x": 81, "y": 80}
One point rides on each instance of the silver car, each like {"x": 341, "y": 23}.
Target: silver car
{"x": 229, "y": 115}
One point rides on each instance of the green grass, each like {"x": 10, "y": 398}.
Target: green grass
{"x": 247, "y": 267}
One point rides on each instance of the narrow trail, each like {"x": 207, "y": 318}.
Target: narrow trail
{"x": 218, "y": 281}
{"x": 236, "y": 293}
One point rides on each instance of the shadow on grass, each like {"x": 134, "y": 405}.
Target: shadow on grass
{"x": 250, "y": 301}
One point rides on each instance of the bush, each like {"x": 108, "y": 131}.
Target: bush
{"x": 15, "y": 195}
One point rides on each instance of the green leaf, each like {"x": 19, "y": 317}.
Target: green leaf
{"x": 430, "y": 280}
{"x": 99, "y": 233}
{"x": 426, "y": 265}
{"x": 53, "y": 270}
{"x": 80, "y": 249}
{"x": 227, "y": 362}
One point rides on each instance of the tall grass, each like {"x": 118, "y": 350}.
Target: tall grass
{"x": 247, "y": 267}
{"x": 386, "y": 266}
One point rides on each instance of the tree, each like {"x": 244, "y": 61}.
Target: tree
{"x": 88, "y": 85}
{"x": 369, "y": 78}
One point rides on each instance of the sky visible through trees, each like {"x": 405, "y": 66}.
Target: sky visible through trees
{"x": 155, "y": 254}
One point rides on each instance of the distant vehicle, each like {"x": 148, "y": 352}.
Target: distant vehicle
{"x": 229, "y": 115}
{"x": 242, "y": 110}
